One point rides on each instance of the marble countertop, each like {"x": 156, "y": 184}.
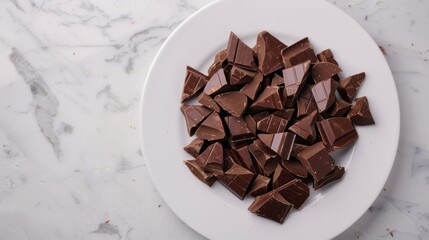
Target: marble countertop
{"x": 71, "y": 78}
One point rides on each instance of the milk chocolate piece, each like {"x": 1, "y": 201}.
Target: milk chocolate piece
{"x": 240, "y": 54}
{"x": 271, "y": 166}
{"x": 294, "y": 80}
{"x": 337, "y": 132}
{"x": 269, "y": 99}
{"x": 260, "y": 154}
{"x": 340, "y": 108}
{"x": 324, "y": 94}
{"x": 233, "y": 102}
{"x": 219, "y": 62}
{"x": 281, "y": 143}
{"x": 297, "y": 148}
{"x": 360, "y": 113}
{"x": 305, "y": 103}
{"x": 194, "y": 82}
{"x": 251, "y": 123}
{"x": 239, "y": 76}
{"x": 316, "y": 160}
{"x": 208, "y": 101}
{"x": 211, "y": 159}
{"x": 238, "y": 130}
{"x": 327, "y": 56}
{"x": 212, "y": 128}
{"x": 217, "y": 84}
{"x": 272, "y": 124}
{"x": 194, "y": 147}
{"x": 305, "y": 129}
{"x": 259, "y": 185}
{"x": 229, "y": 160}
{"x": 205, "y": 177}
{"x": 243, "y": 157}
{"x": 251, "y": 89}
{"x": 349, "y": 86}
{"x": 268, "y": 49}
{"x": 295, "y": 167}
{"x": 194, "y": 115}
{"x": 295, "y": 192}
{"x": 277, "y": 80}
{"x": 336, "y": 174}
{"x": 237, "y": 180}
{"x": 323, "y": 71}
{"x": 272, "y": 206}
{"x": 281, "y": 176}
{"x": 298, "y": 52}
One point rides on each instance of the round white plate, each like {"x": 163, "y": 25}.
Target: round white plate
{"x": 215, "y": 212}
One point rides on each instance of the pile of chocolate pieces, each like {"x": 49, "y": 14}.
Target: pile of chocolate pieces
{"x": 269, "y": 119}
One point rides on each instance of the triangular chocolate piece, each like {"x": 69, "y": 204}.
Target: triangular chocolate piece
{"x": 252, "y": 88}
{"x": 298, "y": 52}
{"x": 212, "y": 128}
{"x": 233, "y": 102}
{"x": 281, "y": 176}
{"x": 323, "y": 71}
{"x": 294, "y": 80}
{"x": 305, "y": 129}
{"x": 295, "y": 167}
{"x": 269, "y": 169}
{"x": 281, "y": 143}
{"x": 208, "y": 101}
{"x": 349, "y": 86}
{"x": 219, "y": 62}
{"x": 240, "y": 76}
{"x": 250, "y": 122}
{"x": 360, "y": 113}
{"x": 339, "y": 109}
{"x": 295, "y": 192}
{"x": 237, "y": 180}
{"x": 324, "y": 94}
{"x": 194, "y": 147}
{"x": 297, "y": 148}
{"x": 194, "y": 115}
{"x": 194, "y": 82}
{"x": 260, "y": 154}
{"x": 217, "y": 83}
{"x": 327, "y": 56}
{"x": 337, "y": 132}
{"x": 205, "y": 177}
{"x": 238, "y": 129}
{"x": 269, "y": 99}
{"x": 272, "y": 206}
{"x": 211, "y": 159}
{"x": 272, "y": 124}
{"x": 317, "y": 161}
{"x": 243, "y": 157}
{"x": 240, "y": 54}
{"x": 268, "y": 49}
{"x": 259, "y": 185}
{"x": 305, "y": 103}
{"x": 336, "y": 174}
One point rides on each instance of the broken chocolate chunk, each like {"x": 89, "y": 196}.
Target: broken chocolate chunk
{"x": 272, "y": 123}
{"x": 324, "y": 94}
{"x": 277, "y": 80}
{"x": 239, "y": 76}
{"x": 233, "y": 102}
{"x": 243, "y": 157}
{"x": 212, "y": 128}
{"x": 316, "y": 160}
{"x": 208, "y": 102}
{"x": 305, "y": 104}
{"x": 298, "y": 52}
{"x": 251, "y": 89}
{"x": 219, "y": 62}
{"x": 294, "y": 80}
{"x": 327, "y": 56}
{"x": 340, "y": 108}
{"x": 260, "y": 154}
{"x": 194, "y": 115}
{"x": 194, "y": 147}
{"x": 217, "y": 83}
{"x": 305, "y": 128}
{"x": 238, "y": 129}
{"x": 205, "y": 177}
{"x": 269, "y": 99}
{"x": 237, "y": 180}
{"x": 268, "y": 49}
{"x": 240, "y": 54}
{"x": 323, "y": 71}
{"x": 360, "y": 113}
{"x": 281, "y": 176}
{"x": 349, "y": 86}
{"x": 272, "y": 206}
{"x": 295, "y": 167}
{"x": 194, "y": 82}
{"x": 259, "y": 185}
{"x": 281, "y": 143}
{"x": 336, "y": 174}
{"x": 297, "y": 148}
{"x": 295, "y": 192}
{"x": 211, "y": 159}
{"x": 337, "y": 132}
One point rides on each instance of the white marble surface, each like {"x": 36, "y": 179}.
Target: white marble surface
{"x": 71, "y": 77}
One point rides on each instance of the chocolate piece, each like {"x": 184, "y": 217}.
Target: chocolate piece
{"x": 298, "y": 52}
{"x": 194, "y": 82}
{"x": 294, "y": 80}
{"x": 295, "y": 167}
{"x": 237, "y": 180}
{"x": 336, "y": 174}
{"x": 349, "y": 86}
{"x": 239, "y": 53}
{"x": 305, "y": 103}
{"x": 305, "y": 129}
{"x": 327, "y": 56}
{"x": 360, "y": 113}
{"x": 323, "y": 71}
{"x": 238, "y": 129}
{"x": 233, "y": 102}
{"x": 337, "y": 132}
{"x": 217, "y": 84}
{"x": 272, "y": 206}
{"x": 297, "y": 148}
{"x": 211, "y": 159}
{"x": 194, "y": 147}
{"x": 251, "y": 123}
{"x": 324, "y": 94}
{"x": 260, "y": 154}
{"x": 281, "y": 143}
{"x": 243, "y": 157}
{"x": 316, "y": 160}
{"x": 259, "y": 185}
{"x": 205, "y": 177}
{"x": 219, "y": 62}
{"x": 268, "y": 50}
{"x": 281, "y": 177}
{"x": 239, "y": 76}
{"x": 212, "y": 128}
{"x": 253, "y": 86}
{"x": 271, "y": 167}
{"x": 339, "y": 109}
{"x": 272, "y": 124}
{"x": 268, "y": 99}
{"x": 277, "y": 80}
{"x": 295, "y": 192}
{"x": 208, "y": 101}
{"x": 229, "y": 160}
{"x": 194, "y": 115}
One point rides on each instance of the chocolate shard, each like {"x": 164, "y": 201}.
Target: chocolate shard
{"x": 336, "y": 174}
{"x": 349, "y": 86}
{"x": 194, "y": 115}
{"x": 240, "y": 76}
{"x": 238, "y": 129}
{"x": 298, "y": 52}
{"x": 268, "y": 49}
{"x": 323, "y": 71}
{"x": 297, "y": 148}
{"x": 277, "y": 80}
{"x": 205, "y": 177}
{"x": 237, "y": 180}
{"x": 324, "y": 94}
{"x": 295, "y": 192}
{"x": 211, "y": 159}
{"x": 194, "y": 147}
{"x": 295, "y": 167}
{"x": 259, "y": 185}
{"x": 294, "y": 80}
{"x": 269, "y": 169}
{"x": 317, "y": 161}
{"x": 281, "y": 176}
{"x": 340, "y": 108}
{"x": 229, "y": 160}
{"x": 194, "y": 82}
{"x": 219, "y": 62}
{"x": 240, "y": 54}
{"x": 337, "y": 132}
{"x": 212, "y": 128}
{"x": 281, "y": 143}
{"x": 243, "y": 157}
{"x": 305, "y": 104}
{"x": 360, "y": 113}
{"x": 260, "y": 154}
{"x": 269, "y": 99}
{"x": 272, "y": 206}
{"x": 208, "y": 102}
{"x": 272, "y": 124}
{"x": 305, "y": 128}
{"x": 217, "y": 83}
{"x": 327, "y": 56}
{"x": 233, "y": 102}
{"x": 251, "y": 123}
{"x": 252, "y": 88}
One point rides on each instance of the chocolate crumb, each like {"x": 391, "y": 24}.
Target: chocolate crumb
{"x": 382, "y": 50}
{"x": 159, "y": 205}
{"x": 384, "y": 189}
{"x": 412, "y": 44}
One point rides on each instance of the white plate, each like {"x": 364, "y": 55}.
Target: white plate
{"x": 215, "y": 212}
